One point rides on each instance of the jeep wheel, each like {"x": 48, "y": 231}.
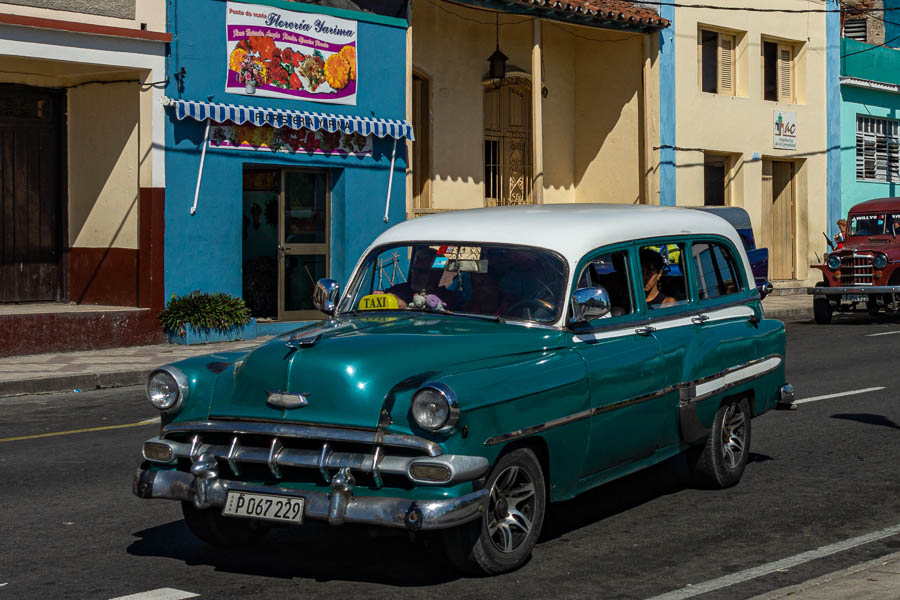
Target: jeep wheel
{"x": 723, "y": 458}
{"x": 209, "y": 525}
{"x": 502, "y": 540}
{"x": 822, "y": 308}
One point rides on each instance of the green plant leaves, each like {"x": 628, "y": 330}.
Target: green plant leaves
{"x": 202, "y": 310}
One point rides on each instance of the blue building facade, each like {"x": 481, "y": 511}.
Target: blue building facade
{"x": 300, "y": 131}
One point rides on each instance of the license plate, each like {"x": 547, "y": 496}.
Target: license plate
{"x": 264, "y": 506}
{"x": 855, "y": 298}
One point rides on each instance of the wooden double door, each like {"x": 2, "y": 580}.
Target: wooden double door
{"x": 32, "y": 205}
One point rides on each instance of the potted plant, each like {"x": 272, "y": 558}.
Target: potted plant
{"x": 200, "y": 317}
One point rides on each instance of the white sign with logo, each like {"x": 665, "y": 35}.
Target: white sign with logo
{"x": 785, "y": 130}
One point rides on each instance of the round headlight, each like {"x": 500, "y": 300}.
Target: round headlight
{"x": 880, "y": 261}
{"x": 434, "y": 407}
{"x": 164, "y": 390}
{"x": 834, "y": 262}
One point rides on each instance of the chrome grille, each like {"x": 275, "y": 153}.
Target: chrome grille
{"x": 856, "y": 269}
{"x": 306, "y": 452}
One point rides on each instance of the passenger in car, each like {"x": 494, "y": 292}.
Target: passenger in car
{"x": 423, "y": 277}
{"x": 652, "y": 270}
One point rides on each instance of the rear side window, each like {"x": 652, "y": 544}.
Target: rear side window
{"x": 663, "y": 273}
{"x": 715, "y": 270}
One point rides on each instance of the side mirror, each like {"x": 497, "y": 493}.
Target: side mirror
{"x": 325, "y": 295}
{"x": 765, "y": 289}
{"x": 589, "y": 303}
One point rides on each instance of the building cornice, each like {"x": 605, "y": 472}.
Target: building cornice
{"x": 78, "y": 27}
{"x": 869, "y": 84}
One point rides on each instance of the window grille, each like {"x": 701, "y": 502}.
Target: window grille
{"x": 877, "y": 149}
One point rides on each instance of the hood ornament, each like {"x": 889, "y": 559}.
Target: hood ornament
{"x": 284, "y": 400}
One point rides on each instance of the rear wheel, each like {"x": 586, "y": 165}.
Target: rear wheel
{"x": 722, "y": 460}
{"x": 822, "y": 308}
{"x": 511, "y": 520}
{"x": 209, "y": 525}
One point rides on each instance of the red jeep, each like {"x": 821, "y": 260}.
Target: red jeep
{"x": 865, "y": 273}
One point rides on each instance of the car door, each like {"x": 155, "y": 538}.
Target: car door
{"x": 671, "y": 321}
{"x": 624, "y": 365}
{"x": 727, "y": 330}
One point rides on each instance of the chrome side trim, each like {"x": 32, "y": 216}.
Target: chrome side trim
{"x": 689, "y": 393}
{"x": 306, "y": 432}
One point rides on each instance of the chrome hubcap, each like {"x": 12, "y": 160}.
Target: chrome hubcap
{"x": 511, "y": 509}
{"x": 733, "y": 435}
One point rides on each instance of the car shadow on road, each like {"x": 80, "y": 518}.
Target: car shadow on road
{"x": 868, "y": 419}
{"x": 313, "y": 551}
{"x": 668, "y": 477}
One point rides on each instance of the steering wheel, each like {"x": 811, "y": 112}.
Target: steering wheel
{"x": 527, "y": 307}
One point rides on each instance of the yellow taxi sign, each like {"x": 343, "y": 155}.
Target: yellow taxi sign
{"x": 378, "y": 302}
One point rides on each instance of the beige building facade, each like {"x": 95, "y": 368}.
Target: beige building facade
{"x": 82, "y": 141}
{"x": 574, "y": 119}
{"x": 751, "y": 125}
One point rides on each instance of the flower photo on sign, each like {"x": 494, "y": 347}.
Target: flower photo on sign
{"x": 289, "y": 54}
{"x": 285, "y": 139}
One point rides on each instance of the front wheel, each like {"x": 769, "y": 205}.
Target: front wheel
{"x": 723, "y": 458}
{"x": 502, "y": 540}
{"x": 822, "y": 308}
{"x": 209, "y": 525}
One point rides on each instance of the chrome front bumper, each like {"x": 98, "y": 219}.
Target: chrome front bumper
{"x": 863, "y": 289}
{"x": 205, "y": 489}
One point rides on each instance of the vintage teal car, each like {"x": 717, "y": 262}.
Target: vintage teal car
{"x": 479, "y": 365}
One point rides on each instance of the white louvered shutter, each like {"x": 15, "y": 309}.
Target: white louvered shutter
{"x": 726, "y": 64}
{"x": 855, "y": 29}
{"x": 785, "y": 73}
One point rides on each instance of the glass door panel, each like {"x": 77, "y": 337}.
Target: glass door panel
{"x": 304, "y": 215}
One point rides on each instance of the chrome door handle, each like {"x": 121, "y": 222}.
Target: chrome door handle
{"x": 645, "y": 330}
{"x": 699, "y": 319}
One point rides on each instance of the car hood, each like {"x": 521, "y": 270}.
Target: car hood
{"x": 884, "y": 244}
{"x": 346, "y": 367}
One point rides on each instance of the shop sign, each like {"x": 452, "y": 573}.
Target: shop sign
{"x": 288, "y": 54}
{"x": 272, "y": 139}
{"x": 785, "y": 130}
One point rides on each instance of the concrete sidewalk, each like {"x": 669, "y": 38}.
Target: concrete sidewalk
{"x": 878, "y": 579}
{"x": 67, "y": 371}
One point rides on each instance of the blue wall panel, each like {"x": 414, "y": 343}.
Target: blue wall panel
{"x": 667, "y": 108}
{"x": 204, "y": 251}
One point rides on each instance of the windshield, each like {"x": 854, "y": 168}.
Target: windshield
{"x": 879, "y": 224}
{"x": 486, "y": 280}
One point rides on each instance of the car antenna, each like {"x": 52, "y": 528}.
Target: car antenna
{"x": 828, "y": 241}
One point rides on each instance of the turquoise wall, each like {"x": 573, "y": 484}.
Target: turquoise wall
{"x": 204, "y": 251}
{"x": 875, "y": 64}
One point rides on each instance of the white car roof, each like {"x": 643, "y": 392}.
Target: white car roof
{"x": 570, "y": 229}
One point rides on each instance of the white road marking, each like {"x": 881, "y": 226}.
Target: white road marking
{"x": 779, "y": 565}
{"x": 882, "y": 333}
{"x": 838, "y": 395}
{"x": 159, "y": 594}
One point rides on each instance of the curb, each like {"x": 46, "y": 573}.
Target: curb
{"x": 67, "y": 383}
{"x": 828, "y": 578}
{"x": 789, "y": 314}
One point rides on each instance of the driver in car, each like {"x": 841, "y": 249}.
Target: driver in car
{"x": 423, "y": 278}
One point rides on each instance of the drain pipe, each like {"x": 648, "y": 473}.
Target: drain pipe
{"x": 387, "y": 202}
{"x": 200, "y": 171}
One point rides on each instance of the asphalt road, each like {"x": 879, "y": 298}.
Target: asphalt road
{"x": 70, "y": 527}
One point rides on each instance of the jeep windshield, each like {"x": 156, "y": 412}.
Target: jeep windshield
{"x": 875, "y": 224}
{"x": 482, "y": 280}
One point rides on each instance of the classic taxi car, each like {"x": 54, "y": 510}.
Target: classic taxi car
{"x": 865, "y": 273}
{"x": 479, "y": 365}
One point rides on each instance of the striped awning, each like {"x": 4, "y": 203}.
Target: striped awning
{"x": 294, "y": 119}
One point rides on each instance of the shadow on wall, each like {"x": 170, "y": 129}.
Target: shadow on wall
{"x": 103, "y": 184}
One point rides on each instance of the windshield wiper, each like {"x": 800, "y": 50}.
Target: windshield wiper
{"x": 493, "y": 318}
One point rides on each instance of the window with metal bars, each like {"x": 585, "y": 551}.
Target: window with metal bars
{"x": 877, "y": 149}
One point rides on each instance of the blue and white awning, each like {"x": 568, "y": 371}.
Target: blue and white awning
{"x": 294, "y": 119}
